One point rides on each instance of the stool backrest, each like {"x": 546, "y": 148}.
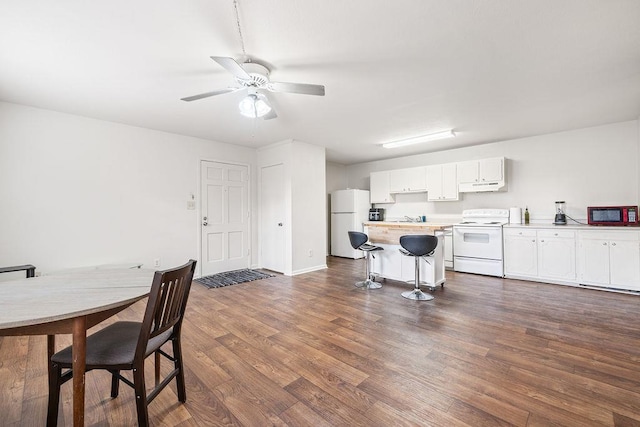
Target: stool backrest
{"x": 357, "y": 239}
{"x": 419, "y": 244}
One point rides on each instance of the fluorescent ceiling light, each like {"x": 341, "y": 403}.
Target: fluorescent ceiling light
{"x": 254, "y": 105}
{"x": 419, "y": 139}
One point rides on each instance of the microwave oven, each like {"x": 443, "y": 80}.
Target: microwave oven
{"x": 612, "y": 215}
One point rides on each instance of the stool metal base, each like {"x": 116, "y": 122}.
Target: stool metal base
{"x": 418, "y": 295}
{"x": 368, "y": 284}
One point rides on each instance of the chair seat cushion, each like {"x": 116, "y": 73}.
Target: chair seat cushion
{"x": 370, "y": 248}
{"x": 114, "y": 345}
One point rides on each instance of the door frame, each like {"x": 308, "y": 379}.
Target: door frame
{"x": 199, "y": 204}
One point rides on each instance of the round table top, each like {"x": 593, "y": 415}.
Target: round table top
{"x": 66, "y": 295}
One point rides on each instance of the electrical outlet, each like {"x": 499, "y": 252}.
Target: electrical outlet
{"x": 191, "y": 205}
{"x": 156, "y": 262}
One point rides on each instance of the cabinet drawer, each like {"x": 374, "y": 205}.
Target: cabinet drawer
{"x": 610, "y": 235}
{"x": 521, "y": 232}
{"x": 563, "y": 234}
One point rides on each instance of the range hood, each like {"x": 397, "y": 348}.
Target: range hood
{"x": 482, "y": 186}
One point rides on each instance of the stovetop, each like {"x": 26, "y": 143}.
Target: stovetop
{"x": 485, "y": 217}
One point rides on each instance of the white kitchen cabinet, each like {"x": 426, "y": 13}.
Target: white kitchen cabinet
{"x": 557, "y": 254}
{"x": 408, "y": 180}
{"x": 481, "y": 175}
{"x": 379, "y": 187}
{"x": 442, "y": 184}
{"x": 520, "y": 252}
{"x": 610, "y": 259}
{"x": 391, "y": 264}
{"x": 547, "y": 255}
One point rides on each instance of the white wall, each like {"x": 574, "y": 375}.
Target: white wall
{"x": 309, "y": 208}
{"x": 595, "y": 166}
{"x": 76, "y": 191}
{"x": 305, "y": 203}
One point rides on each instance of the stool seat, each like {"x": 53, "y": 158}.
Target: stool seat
{"x": 359, "y": 241}
{"x": 418, "y": 246}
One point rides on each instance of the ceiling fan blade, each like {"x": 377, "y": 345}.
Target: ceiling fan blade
{"x": 208, "y": 94}
{"x": 270, "y": 115}
{"x": 232, "y": 66}
{"x": 303, "y": 88}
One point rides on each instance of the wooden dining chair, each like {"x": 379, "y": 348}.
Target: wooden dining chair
{"x": 125, "y": 345}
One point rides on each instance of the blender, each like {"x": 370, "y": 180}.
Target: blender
{"x": 561, "y": 218}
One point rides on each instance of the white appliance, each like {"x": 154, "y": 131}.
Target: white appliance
{"x": 477, "y": 242}
{"x": 349, "y": 209}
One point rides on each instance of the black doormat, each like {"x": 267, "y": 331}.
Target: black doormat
{"x": 232, "y": 277}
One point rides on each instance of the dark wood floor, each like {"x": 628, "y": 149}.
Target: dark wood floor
{"x": 312, "y": 350}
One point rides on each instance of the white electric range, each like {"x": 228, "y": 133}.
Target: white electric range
{"x": 477, "y": 242}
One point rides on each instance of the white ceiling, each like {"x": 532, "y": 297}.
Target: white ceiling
{"x": 490, "y": 69}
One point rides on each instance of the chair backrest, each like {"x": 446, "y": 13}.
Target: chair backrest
{"x": 419, "y": 244}
{"x": 166, "y": 305}
{"x": 357, "y": 239}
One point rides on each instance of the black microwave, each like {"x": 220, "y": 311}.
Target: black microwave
{"x": 612, "y": 215}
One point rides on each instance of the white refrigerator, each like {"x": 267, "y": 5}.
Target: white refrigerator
{"x": 349, "y": 209}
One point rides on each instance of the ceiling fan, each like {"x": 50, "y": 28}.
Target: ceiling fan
{"x": 255, "y": 77}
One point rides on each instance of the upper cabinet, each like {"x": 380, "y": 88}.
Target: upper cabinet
{"x": 442, "y": 184}
{"x": 379, "y": 187}
{"x": 409, "y": 180}
{"x": 481, "y": 175}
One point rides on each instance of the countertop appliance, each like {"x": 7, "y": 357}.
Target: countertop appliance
{"x": 612, "y": 215}
{"x": 349, "y": 209}
{"x": 376, "y": 214}
{"x": 561, "y": 217}
{"x": 477, "y": 242}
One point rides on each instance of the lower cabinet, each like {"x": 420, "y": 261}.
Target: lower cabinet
{"x": 540, "y": 254}
{"x": 579, "y": 256}
{"x": 610, "y": 259}
{"x": 391, "y": 264}
{"x": 557, "y": 255}
{"x": 520, "y": 253}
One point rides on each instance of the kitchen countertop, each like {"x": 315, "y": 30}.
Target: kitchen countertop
{"x": 436, "y": 226}
{"x": 575, "y": 227}
{"x": 389, "y": 232}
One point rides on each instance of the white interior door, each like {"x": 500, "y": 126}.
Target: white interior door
{"x": 225, "y": 217}
{"x": 272, "y": 217}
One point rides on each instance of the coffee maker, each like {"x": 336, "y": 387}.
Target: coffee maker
{"x": 376, "y": 214}
{"x": 561, "y": 218}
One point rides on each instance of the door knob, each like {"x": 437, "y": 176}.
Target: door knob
{"x": 205, "y": 223}
{"x": 279, "y": 224}
{"x": 204, "y": 218}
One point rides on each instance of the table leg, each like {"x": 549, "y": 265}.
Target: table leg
{"x": 51, "y": 349}
{"x": 79, "y": 352}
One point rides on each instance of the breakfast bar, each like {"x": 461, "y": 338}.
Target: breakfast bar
{"x": 391, "y": 264}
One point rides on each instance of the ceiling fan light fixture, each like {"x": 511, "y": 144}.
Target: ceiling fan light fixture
{"x": 420, "y": 139}
{"x": 254, "y": 105}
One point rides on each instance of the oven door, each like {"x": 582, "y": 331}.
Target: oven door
{"x": 477, "y": 242}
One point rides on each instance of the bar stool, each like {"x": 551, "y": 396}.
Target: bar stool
{"x": 359, "y": 241}
{"x": 418, "y": 246}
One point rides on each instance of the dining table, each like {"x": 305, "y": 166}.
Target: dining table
{"x": 70, "y": 302}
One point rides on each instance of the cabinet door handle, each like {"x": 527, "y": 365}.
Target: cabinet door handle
{"x": 613, "y": 244}
{"x": 542, "y": 241}
{"x": 604, "y": 244}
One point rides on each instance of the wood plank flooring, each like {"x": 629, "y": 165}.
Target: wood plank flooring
{"x": 313, "y": 350}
